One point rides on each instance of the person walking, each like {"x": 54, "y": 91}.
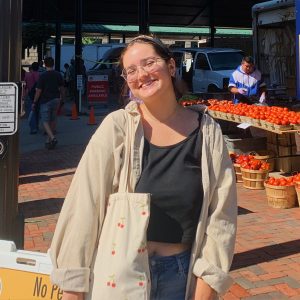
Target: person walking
{"x": 31, "y": 79}
{"x": 49, "y": 94}
{"x": 151, "y": 212}
{"x": 246, "y": 83}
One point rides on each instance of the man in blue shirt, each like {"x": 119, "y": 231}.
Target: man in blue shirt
{"x": 246, "y": 83}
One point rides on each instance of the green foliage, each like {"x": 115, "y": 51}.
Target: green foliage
{"x": 87, "y": 40}
{"x": 36, "y": 33}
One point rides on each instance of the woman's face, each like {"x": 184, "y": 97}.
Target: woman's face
{"x": 148, "y": 75}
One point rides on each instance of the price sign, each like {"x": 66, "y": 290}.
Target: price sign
{"x": 8, "y": 108}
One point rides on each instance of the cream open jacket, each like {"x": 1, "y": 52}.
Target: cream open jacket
{"x": 80, "y": 222}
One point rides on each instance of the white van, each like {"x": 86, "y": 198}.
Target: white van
{"x": 206, "y": 70}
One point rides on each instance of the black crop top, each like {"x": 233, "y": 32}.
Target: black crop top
{"x": 173, "y": 177}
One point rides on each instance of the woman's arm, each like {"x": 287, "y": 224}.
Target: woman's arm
{"x": 72, "y": 296}
{"x": 203, "y": 291}
{"x": 217, "y": 247}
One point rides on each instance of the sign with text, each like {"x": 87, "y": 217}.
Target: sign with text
{"x": 79, "y": 82}
{"x": 97, "y": 88}
{"x": 17, "y": 285}
{"x": 8, "y": 108}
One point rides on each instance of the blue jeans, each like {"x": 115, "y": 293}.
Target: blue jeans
{"x": 169, "y": 276}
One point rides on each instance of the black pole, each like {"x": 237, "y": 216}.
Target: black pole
{"x": 78, "y": 46}
{"x": 11, "y": 221}
{"x": 212, "y": 23}
{"x": 144, "y": 16}
{"x": 57, "y": 45}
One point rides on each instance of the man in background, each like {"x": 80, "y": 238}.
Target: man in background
{"x": 246, "y": 83}
{"x": 49, "y": 93}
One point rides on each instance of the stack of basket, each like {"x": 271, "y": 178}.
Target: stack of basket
{"x": 254, "y": 179}
{"x": 238, "y": 173}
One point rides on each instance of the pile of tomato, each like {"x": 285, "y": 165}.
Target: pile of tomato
{"x": 193, "y": 102}
{"x": 249, "y": 162}
{"x": 284, "y": 181}
{"x": 273, "y": 114}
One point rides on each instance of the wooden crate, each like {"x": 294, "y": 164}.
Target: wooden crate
{"x": 286, "y": 139}
{"x": 285, "y": 164}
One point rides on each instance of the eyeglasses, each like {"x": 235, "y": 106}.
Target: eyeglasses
{"x": 149, "y": 65}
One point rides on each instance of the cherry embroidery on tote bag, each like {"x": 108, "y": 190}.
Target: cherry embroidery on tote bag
{"x": 113, "y": 249}
{"x": 111, "y": 282}
{"x": 121, "y": 223}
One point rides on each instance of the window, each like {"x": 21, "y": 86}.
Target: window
{"x": 225, "y": 60}
{"x": 201, "y": 62}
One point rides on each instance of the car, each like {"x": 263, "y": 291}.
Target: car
{"x": 206, "y": 70}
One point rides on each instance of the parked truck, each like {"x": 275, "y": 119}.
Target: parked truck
{"x": 274, "y": 39}
{"x": 90, "y": 53}
{"x": 206, "y": 70}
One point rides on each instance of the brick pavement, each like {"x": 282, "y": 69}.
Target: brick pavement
{"x": 267, "y": 256}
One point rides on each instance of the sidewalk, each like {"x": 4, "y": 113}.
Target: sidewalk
{"x": 267, "y": 255}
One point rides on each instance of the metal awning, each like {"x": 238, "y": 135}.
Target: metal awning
{"x": 187, "y": 13}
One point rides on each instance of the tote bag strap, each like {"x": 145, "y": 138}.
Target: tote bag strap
{"x": 123, "y": 182}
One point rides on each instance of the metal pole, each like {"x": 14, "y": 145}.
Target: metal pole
{"x": 78, "y": 48}
{"x": 298, "y": 49}
{"x": 144, "y": 16}
{"x": 11, "y": 222}
{"x": 212, "y": 23}
{"x": 57, "y": 45}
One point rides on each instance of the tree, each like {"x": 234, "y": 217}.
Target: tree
{"x": 35, "y": 34}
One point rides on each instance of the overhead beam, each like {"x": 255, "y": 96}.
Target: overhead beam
{"x": 143, "y": 16}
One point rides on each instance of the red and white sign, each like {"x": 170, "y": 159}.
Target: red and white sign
{"x": 97, "y": 88}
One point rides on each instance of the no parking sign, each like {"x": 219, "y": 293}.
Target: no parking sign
{"x": 97, "y": 88}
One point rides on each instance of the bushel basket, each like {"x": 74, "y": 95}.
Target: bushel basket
{"x": 254, "y": 179}
{"x": 297, "y": 186}
{"x": 281, "y": 196}
{"x": 238, "y": 173}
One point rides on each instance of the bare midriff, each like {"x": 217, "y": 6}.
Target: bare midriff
{"x": 166, "y": 249}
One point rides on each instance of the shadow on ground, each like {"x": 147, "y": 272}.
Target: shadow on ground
{"x": 41, "y": 178}
{"x": 39, "y": 208}
{"x": 42, "y": 161}
{"x": 265, "y": 254}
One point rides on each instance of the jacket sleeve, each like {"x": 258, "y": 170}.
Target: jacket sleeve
{"x": 232, "y": 82}
{"x": 219, "y": 239}
{"x": 82, "y": 214}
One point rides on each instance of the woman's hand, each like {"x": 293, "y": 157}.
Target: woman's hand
{"x": 203, "y": 291}
{"x": 72, "y": 296}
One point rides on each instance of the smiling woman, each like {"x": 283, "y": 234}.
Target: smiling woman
{"x": 155, "y": 214}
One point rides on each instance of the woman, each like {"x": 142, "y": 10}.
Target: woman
{"x": 176, "y": 157}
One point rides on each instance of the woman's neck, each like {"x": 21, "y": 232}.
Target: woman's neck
{"x": 161, "y": 112}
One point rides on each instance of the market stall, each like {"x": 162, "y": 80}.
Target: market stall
{"x": 281, "y": 127}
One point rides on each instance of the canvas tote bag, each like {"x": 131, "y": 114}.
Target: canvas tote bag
{"x": 121, "y": 268}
